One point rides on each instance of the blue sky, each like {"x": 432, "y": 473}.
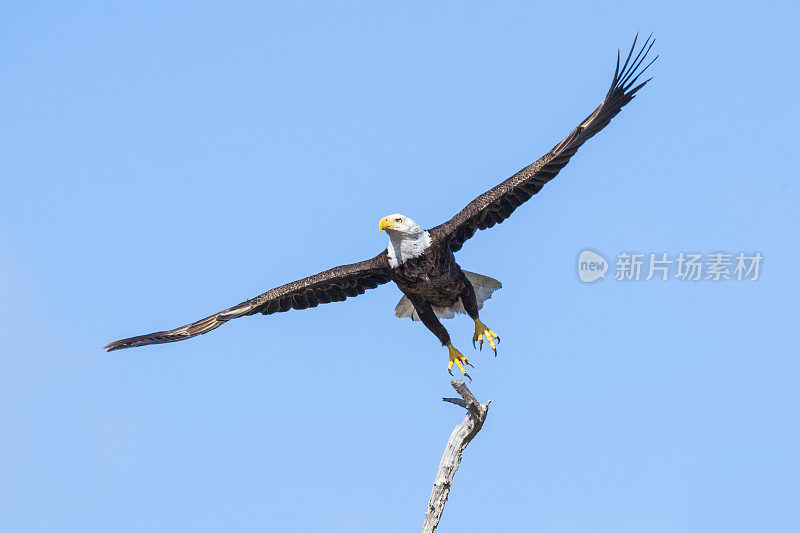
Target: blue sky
{"x": 160, "y": 163}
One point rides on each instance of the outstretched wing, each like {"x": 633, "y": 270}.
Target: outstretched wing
{"x": 333, "y": 285}
{"x": 497, "y": 204}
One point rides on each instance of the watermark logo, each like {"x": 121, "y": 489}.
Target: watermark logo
{"x": 591, "y": 266}
{"x": 683, "y": 266}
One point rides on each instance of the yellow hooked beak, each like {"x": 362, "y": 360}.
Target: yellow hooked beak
{"x": 386, "y": 223}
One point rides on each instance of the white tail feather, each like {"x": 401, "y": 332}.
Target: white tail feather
{"x": 484, "y": 287}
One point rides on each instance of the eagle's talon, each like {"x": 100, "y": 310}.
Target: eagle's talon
{"x": 483, "y": 332}
{"x": 459, "y": 360}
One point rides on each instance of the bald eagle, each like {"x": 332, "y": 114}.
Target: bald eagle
{"x": 422, "y": 262}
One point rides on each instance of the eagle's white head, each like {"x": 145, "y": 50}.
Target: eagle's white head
{"x": 407, "y": 238}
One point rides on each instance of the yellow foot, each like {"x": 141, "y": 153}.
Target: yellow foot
{"x": 481, "y": 332}
{"x": 459, "y": 360}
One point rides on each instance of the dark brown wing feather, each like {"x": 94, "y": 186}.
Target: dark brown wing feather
{"x": 332, "y": 285}
{"x": 497, "y": 204}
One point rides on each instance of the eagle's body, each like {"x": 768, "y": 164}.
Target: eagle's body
{"x": 433, "y": 277}
{"x": 430, "y": 279}
{"x": 422, "y": 262}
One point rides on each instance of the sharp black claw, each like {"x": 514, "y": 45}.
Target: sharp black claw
{"x": 470, "y": 364}
{"x": 468, "y": 377}
{"x": 449, "y": 371}
{"x": 473, "y": 344}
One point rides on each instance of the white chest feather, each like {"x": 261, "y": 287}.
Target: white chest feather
{"x": 405, "y": 247}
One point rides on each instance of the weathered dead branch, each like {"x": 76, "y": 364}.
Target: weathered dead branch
{"x": 461, "y": 436}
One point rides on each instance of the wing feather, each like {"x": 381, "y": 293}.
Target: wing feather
{"x": 497, "y": 204}
{"x": 333, "y": 285}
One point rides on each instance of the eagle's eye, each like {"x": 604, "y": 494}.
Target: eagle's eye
{"x": 398, "y": 220}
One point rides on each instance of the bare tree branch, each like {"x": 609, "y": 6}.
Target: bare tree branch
{"x": 461, "y": 436}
